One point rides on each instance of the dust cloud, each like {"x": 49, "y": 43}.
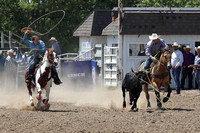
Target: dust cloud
{"x": 83, "y": 95}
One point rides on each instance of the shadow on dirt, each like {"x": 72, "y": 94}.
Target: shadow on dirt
{"x": 73, "y": 111}
{"x": 176, "y": 109}
{"x": 169, "y": 109}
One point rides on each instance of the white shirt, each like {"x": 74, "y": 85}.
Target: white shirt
{"x": 177, "y": 58}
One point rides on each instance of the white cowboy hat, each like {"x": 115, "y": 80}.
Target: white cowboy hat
{"x": 53, "y": 39}
{"x": 10, "y": 51}
{"x": 188, "y": 46}
{"x": 154, "y": 36}
{"x": 175, "y": 44}
{"x": 197, "y": 48}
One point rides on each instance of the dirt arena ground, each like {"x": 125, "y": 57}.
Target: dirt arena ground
{"x": 98, "y": 110}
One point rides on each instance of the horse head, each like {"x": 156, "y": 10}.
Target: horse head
{"x": 166, "y": 59}
{"x": 51, "y": 56}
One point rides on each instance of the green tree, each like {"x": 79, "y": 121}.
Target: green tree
{"x": 16, "y": 14}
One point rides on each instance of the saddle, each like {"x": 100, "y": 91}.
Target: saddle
{"x": 32, "y": 76}
{"x": 36, "y": 68}
{"x": 161, "y": 76}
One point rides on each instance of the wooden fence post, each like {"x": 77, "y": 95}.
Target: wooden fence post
{"x": 2, "y": 40}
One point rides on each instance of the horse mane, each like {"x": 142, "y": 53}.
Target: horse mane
{"x": 45, "y": 56}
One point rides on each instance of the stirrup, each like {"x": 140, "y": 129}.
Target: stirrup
{"x": 28, "y": 79}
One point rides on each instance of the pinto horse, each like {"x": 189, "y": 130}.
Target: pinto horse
{"x": 43, "y": 79}
{"x": 160, "y": 76}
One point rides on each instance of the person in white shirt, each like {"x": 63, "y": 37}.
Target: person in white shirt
{"x": 196, "y": 69}
{"x": 176, "y": 62}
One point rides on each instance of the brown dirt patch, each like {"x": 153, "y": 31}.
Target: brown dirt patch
{"x": 99, "y": 113}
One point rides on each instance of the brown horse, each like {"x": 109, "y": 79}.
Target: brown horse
{"x": 160, "y": 76}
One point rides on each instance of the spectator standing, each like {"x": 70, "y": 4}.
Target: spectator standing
{"x": 2, "y": 62}
{"x": 188, "y": 58}
{"x": 11, "y": 64}
{"x": 196, "y": 69}
{"x": 11, "y": 69}
{"x": 55, "y": 45}
{"x": 176, "y": 61}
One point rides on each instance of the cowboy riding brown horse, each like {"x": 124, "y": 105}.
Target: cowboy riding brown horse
{"x": 160, "y": 76}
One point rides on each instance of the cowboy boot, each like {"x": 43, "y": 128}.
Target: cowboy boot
{"x": 29, "y": 78}
{"x": 57, "y": 80}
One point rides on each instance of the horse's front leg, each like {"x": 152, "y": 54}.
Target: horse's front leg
{"x": 30, "y": 94}
{"x": 39, "y": 90}
{"x": 159, "y": 104}
{"x": 165, "y": 99}
{"x": 48, "y": 87}
{"x": 145, "y": 89}
{"x": 157, "y": 93}
{"x": 45, "y": 101}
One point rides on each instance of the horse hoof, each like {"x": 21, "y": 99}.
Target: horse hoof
{"x": 134, "y": 110}
{"x": 159, "y": 105}
{"x": 45, "y": 101}
{"x": 165, "y": 99}
{"x": 32, "y": 104}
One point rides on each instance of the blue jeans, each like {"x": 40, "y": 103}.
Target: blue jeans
{"x": 32, "y": 65}
{"x": 147, "y": 63}
{"x": 197, "y": 77}
{"x": 176, "y": 75}
{"x": 187, "y": 72}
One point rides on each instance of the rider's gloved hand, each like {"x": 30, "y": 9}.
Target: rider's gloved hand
{"x": 36, "y": 50}
{"x": 153, "y": 59}
{"x": 27, "y": 32}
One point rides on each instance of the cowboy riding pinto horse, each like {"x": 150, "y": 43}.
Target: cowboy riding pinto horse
{"x": 159, "y": 73}
{"x": 40, "y": 76}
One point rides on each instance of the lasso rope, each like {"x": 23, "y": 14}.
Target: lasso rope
{"x": 50, "y": 28}
{"x": 154, "y": 89}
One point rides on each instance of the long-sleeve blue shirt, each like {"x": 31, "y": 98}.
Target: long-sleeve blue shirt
{"x": 152, "y": 49}
{"x": 57, "y": 48}
{"x": 40, "y": 46}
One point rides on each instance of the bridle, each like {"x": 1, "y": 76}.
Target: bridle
{"x": 166, "y": 60}
{"x": 50, "y": 56}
